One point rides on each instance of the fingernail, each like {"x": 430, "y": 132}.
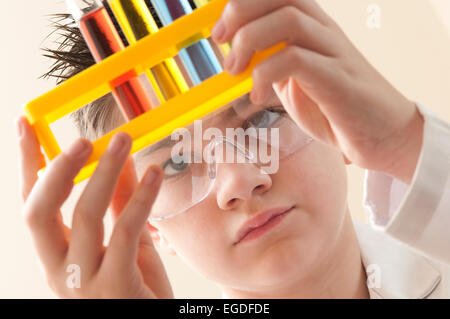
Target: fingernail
{"x": 117, "y": 144}
{"x": 78, "y": 149}
{"x": 151, "y": 176}
{"x": 218, "y": 31}
{"x": 230, "y": 61}
{"x": 20, "y": 128}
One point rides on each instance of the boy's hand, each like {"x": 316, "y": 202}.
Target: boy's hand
{"x": 324, "y": 82}
{"x": 129, "y": 267}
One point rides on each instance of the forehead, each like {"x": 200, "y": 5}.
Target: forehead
{"x": 238, "y": 109}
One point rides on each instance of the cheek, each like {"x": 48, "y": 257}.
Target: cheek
{"x": 188, "y": 232}
{"x": 317, "y": 177}
{"x": 199, "y": 239}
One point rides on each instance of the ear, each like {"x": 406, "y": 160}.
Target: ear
{"x": 159, "y": 240}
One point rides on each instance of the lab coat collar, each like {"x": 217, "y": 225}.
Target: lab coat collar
{"x": 403, "y": 272}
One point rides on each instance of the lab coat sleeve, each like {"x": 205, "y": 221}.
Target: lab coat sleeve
{"x": 417, "y": 214}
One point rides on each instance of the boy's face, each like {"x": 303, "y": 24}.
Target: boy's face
{"x": 310, "y": 185}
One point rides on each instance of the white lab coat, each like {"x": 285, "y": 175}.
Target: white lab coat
{"x": 410, "y": 235}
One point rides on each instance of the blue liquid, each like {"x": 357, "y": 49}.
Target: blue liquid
{"x": 198, "y": 59}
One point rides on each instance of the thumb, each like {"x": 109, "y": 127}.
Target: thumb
{"x": 304, "y": 111}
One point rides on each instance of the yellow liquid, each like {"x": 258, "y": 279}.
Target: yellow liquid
{"x": 137, "y": 22}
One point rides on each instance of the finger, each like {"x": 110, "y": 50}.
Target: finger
{"x": 292, "y": 27}
{"x": 313, "y": 72}
{"x": 153, "y": 272}
{"x": 42, "y": 208}
{"x": 124, "y": 251}
{"x": 237, "y": 13}
{"x": 304, "y": 111}
{"x": 126, "y": 186}
{"x": 31, "y": 158}
{"x": 86, "y": 245}
{"x": 128, "y": 183}
{"x": 123, "y": 247}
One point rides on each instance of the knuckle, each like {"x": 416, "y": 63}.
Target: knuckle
{"x": 343, "y": 66}
{"x": 292, "y": 55}
{"x": 61, "y": 164}
{"x": 234, "y": 14}
{"x": 124, "y": 232}
{"x": 258, "y": 74}
{"x": 234, "y": 8}
{"x": 31, "y": 217}
{"x": 292, "y": 16}
{"x": 84, "y": 215}
{"x": 242, "y": 39}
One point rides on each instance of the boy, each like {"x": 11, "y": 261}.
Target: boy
{"x": 261, "y": 235}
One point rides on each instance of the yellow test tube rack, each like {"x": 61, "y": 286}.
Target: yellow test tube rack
{"x": 172, "y": 81}
{"x": 160, "y": 122}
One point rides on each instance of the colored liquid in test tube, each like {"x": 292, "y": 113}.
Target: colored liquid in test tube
{"x": 103, "y": 40}
{"x": 221, "y": 50}
{"x": 199, "y": 59}
{"x": 136, "y": 21}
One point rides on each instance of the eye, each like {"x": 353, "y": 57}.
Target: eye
{"x": 175, "y": 166}
{"x": 264, "y": 119}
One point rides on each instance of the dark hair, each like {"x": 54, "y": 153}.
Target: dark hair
{"x": 72, "y": 56}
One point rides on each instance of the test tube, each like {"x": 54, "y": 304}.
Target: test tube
{"x": 199, "y": 59}
{"x": 103, "y": 40}
{"x": 221, "y": 50}
{"x": 136, "y": 22}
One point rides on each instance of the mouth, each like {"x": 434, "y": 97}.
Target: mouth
{"x": 261, "y": 224}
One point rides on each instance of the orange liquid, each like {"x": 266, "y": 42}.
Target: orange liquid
{"x": 103, "y": 40}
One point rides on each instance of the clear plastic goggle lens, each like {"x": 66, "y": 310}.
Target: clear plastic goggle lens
{"x": 256, "y": 135}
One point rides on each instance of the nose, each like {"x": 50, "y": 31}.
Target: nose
{"x": 237, "y": 183}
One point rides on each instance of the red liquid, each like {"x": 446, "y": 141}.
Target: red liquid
{"x": 103, "y": 40}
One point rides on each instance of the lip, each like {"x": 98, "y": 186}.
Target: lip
{"x": 261, "y": 223}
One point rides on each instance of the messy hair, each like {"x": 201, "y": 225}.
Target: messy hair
{"x": 72, "y": 56}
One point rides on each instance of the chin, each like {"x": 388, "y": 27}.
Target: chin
{"x": 283, "y": 263}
